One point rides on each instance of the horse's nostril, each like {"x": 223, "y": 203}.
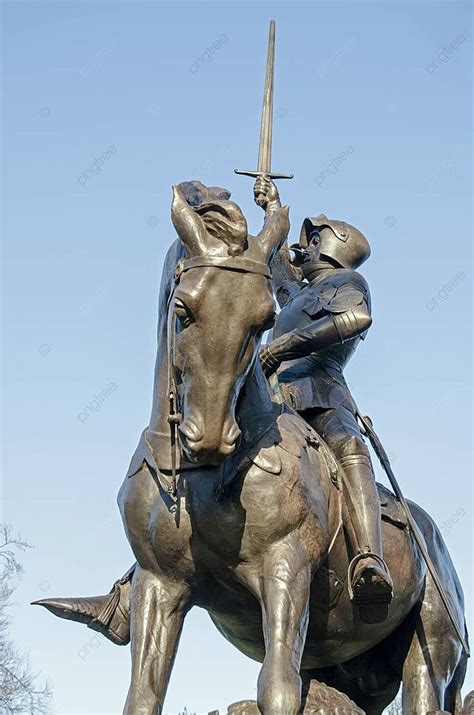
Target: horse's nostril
{"x": 191, "y": 431}
{"x": 227, "y": 449}
{"x": 232, "y": 436}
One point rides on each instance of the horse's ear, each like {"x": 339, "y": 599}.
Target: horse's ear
{"x": 274, "y": 233}
{"x": 188, "y": 224}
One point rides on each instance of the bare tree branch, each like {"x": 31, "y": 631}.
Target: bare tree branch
{"x": 19, "y": 692}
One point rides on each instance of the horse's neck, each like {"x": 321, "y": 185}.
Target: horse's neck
{"x": 256, "y": 396}
{"x": 160, "y": 403}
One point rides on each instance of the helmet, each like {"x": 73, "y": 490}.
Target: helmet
{"x": 338, "y": 240}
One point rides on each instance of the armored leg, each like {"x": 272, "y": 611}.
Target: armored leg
{"x": 370, "y": 585}
{"x": 109, "y": 614}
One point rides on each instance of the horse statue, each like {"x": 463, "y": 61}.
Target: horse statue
{"x": 233, "y": 503}
{"x": 245, "y": 520}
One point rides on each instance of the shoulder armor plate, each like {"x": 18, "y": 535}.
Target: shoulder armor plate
{"x": 341, "y": 291}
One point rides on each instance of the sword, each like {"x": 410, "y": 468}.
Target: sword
{"x": 265, "y": 147}
{"x": 379, "y": 450}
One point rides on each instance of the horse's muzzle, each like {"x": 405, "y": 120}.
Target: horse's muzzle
{"x": 203, "y": 448}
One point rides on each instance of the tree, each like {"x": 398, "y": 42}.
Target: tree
{"x": 19, "y": 690}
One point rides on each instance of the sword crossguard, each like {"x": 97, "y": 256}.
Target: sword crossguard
{"x": 266, "y": 174}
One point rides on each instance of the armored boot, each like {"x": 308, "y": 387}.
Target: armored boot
{"x": 109, "y": 615}
{"x": 369, "y": 582}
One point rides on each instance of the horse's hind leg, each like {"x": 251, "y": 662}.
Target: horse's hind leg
{"x": 158, "y": 608}
{"x": 372, "y": 679}
{"x": 453, "y": 699}
{"x": 432, "y": 659}
{"x": 284, "y": 598}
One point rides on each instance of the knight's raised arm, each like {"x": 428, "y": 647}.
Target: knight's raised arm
{"x": 266, "y": 195}
{"x": 277, "y": 223}
{"x": 286, "y": 277}
{"x": 275, "y": 230}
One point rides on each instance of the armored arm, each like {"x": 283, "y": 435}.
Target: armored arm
{"x": 285, "y": 276}
{"x": 276, "y": 224}
{"x": 329, "y": 330}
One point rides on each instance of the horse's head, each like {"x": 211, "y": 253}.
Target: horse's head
{"x": 222, "y": 304}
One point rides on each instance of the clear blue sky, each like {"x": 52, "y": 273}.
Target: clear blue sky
{"x": 82, "y": 261}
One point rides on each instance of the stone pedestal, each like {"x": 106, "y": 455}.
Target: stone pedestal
{"x": 321, "y": 700}
{"x": 469, "y": 704}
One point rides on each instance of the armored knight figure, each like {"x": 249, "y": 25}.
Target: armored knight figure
{"x": 325, "y": 313}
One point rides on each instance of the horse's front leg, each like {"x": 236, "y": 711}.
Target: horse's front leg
{"x": 284, "y": 597}
{"x": 158, "y": 608}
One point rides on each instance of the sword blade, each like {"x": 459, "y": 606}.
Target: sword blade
{"x": 266, "y": 126}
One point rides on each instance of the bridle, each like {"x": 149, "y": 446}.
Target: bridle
{"x": 226, "y": 263}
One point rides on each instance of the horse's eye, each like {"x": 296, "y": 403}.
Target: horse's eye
{"x": 182, "y": 313}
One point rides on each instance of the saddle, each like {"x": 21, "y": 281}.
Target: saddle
{"x": 292, "y": 434}
{"x": 265, "y": 454}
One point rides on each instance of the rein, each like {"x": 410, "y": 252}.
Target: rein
{"x": 175, "y": 416}
{"x": 227, "y": 263}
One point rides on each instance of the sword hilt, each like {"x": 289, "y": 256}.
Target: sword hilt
{"x": 265, "y": 174}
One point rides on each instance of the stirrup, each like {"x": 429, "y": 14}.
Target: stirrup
{"x": 381, "y": 595}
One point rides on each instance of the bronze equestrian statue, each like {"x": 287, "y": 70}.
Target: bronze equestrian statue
{"x": 235, "y": 503}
